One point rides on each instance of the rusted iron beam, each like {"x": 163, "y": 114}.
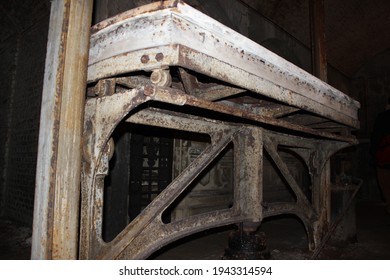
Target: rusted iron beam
{"x": 102, "y": 115}
{"x": 146, "y": 244}
{"x": 133, "y": 81}
{"x": 206, "y": 91}
{"x": 142, "y": 245}
{"x": 248, "y": 153}
{"x": 174, "y": 120}
{"x": 302, "y": 201}
{"x": 177, "y": 97}
{"x": 56, "y": 208}
{"x": 94, "y": 171}
{"x": 248, "y": 177}
{"x": 315, "y": 153}
{"x": 147, "y": 233}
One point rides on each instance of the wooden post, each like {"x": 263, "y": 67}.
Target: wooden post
{"x": 56, "y": 207}
{"x": 317, "y": 24}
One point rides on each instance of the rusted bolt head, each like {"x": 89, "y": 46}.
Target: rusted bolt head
{"x": 161, "y": 78}
{"x": 145, "y": 58}
{"x": 159, "y": 57}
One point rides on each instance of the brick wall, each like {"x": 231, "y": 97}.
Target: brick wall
{"x": 24, "y": 123}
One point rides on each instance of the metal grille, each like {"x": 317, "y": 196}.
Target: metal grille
{"x": 150, "y": 168}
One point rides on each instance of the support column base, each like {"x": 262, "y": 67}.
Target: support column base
{"x": 247, "y": 246}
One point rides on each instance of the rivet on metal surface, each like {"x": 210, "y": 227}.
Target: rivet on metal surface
{"x": 145, "y": 58}
{"x": 159, "y": 57}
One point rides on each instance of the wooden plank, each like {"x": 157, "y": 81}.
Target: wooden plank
{"x": 56, "y": 209}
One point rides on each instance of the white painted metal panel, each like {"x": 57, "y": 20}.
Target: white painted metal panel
{"x": 186, "y": 37}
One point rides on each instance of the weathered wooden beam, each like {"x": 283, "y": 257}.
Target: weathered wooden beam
{"x": 56, "y": 209}
{"x": 317, "y": 24}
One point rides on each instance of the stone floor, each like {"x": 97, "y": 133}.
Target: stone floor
{"x": 286, "y": 239}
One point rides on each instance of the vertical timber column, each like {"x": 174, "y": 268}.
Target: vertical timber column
{"x": 57, "y": 192}
{"x": 319, "y": 66}
{"x": 318, "y": 45}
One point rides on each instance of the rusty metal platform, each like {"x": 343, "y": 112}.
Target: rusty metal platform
{"x": 168, "y": 65}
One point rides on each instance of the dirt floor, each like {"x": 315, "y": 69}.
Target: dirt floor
{"x": 285, "y": 237}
